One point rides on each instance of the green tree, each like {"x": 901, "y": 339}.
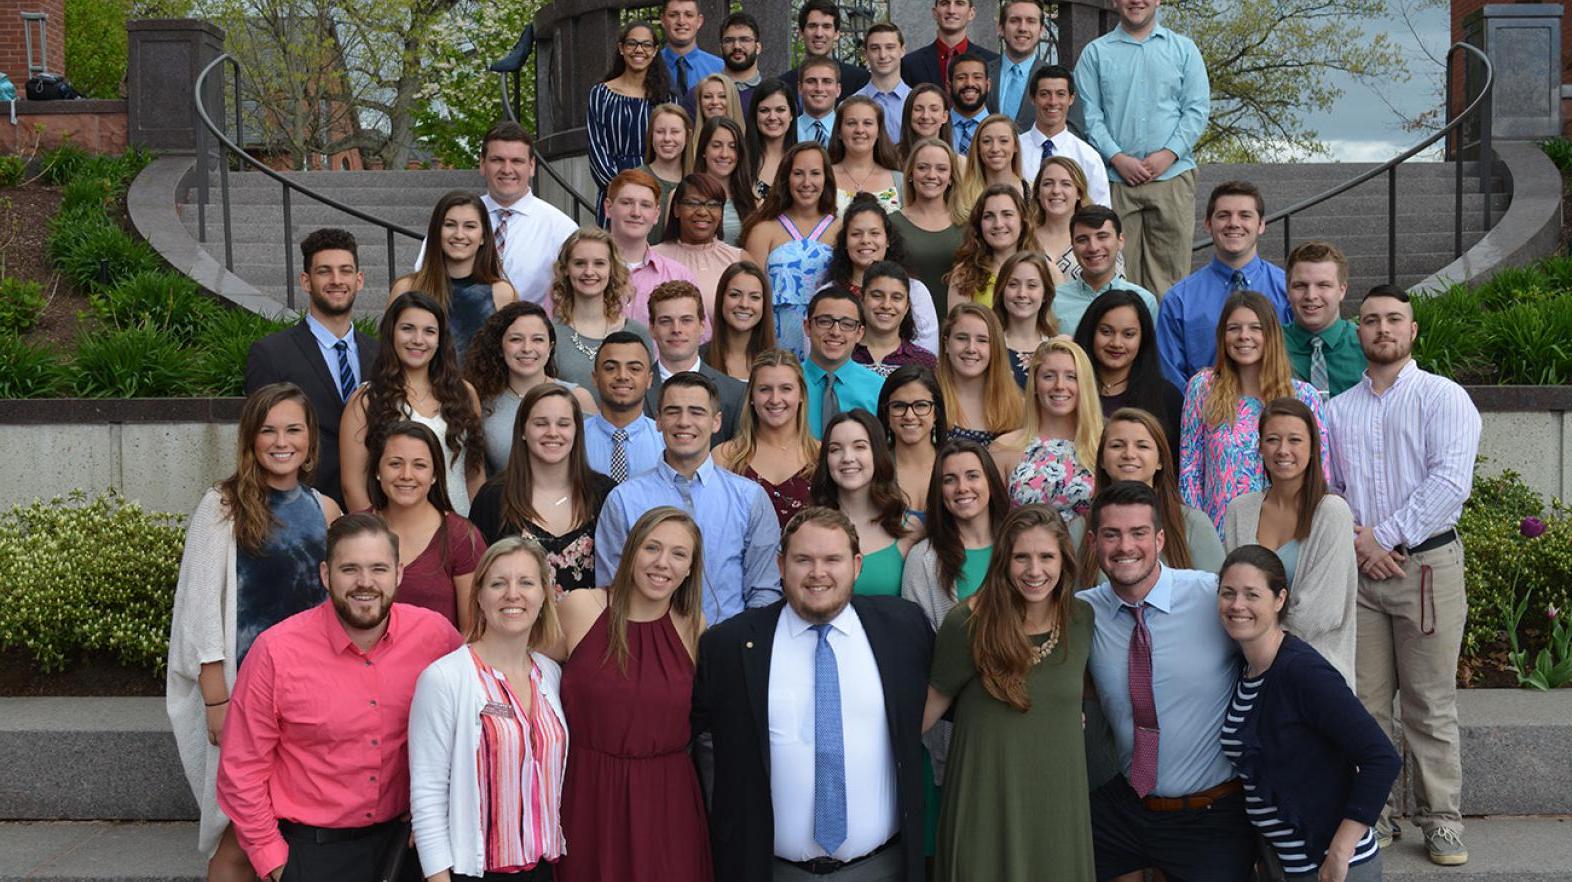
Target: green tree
{"x": 95, "y": 46}
{"x": 461, "y": 99}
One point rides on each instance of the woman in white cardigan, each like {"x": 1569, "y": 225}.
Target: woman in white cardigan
{"x": 252, "y": 550}
{"x": 1311, "y": 530}
{"x": 487, "y": 739}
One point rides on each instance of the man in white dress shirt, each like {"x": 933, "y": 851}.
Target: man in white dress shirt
{"x": 529, "y": 231}
{"x": 1403, "y": 446}
{"x": 1052, "y": 90}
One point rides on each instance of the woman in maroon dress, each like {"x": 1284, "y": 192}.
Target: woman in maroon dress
{"x": 632, "y": 810}
{"x": 773, "y": 447}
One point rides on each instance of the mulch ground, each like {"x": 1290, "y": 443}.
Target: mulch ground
{"x": 90, "y": 675}
{"x": 25, "y": 212}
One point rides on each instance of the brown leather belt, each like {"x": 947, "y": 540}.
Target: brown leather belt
{"x": 1192, "y": 801}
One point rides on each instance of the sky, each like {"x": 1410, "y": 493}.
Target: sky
{"x": 1360, "y": 127}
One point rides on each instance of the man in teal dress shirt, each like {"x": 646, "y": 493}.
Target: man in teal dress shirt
{"x": 1317, "y": 281}
{"x": 1096, "y": 238}
{"x": 834, "y": 328}
{"x": 1145, "y": 98}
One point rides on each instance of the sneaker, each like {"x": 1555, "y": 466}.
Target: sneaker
{"x": 1446, "y": 847}
{"x": 1387, "y": 831}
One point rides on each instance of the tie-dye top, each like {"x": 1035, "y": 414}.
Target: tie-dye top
{"x": 283, "y": 577}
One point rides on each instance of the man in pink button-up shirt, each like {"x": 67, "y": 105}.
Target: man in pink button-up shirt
{"x": 313, "y": 769}
{"x": 632, "y": 206}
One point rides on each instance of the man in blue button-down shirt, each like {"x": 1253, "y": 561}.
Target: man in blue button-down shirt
{"x": 1187, "y": 320}
{"x": 819, "y": 87}
{"x": 1145, "y": 98}
{"x": 622, "y": 376}
{"x": 741, "y": 532}
{"x": 834, "y": 328}
{"x": 685, "y": 62}
{"x": 969, "y": 89}
{"x": 1191, "y": 824}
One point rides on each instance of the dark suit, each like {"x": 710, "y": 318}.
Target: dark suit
{"x": 1026, "y": 113}
{"x": 292, "y": 355}
{"x": 732, "y": 391}
{"x": 852, "y": 79}
{"x": 922, "y": 65}
{"x": 731, "y": 701}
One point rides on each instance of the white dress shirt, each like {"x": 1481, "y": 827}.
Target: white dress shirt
{"x": 1404, "y": 458}
{"x": 872, "y": 814}
{"x": 1067, "y": 144}
{"x": 536, "y": 231}
{"x": 667, "y": 373}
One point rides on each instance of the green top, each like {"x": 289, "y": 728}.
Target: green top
{"x": 1345, "y": 360}
{"x": 972, "y": 572}
{"x": 881, "y": 572}
{"x": 929, "y": 256}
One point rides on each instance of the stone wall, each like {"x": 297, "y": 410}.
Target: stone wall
{"x": 95, "y": 126}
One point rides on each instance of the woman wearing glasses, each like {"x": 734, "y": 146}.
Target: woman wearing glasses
{"x": 911, "y": 409}
{"x": 619, "y": 107}
{"x": 693, "y": 229}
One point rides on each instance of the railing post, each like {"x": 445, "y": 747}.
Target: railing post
{"x": 1487, "y": 157}
{"x": 1391, "y": 225}
{"x": 391, "y": 273}
{"x": 223, "y": 192}
{"x": 203, "y": 171}
{"x": 289, "y": 252}
{"x": 240, "y": 126}
{"x": 1455, "y": 137}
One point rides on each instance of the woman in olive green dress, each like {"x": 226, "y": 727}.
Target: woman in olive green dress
{"x": 1012, "y": 659}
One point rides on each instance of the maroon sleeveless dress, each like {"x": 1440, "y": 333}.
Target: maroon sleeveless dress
{"x": 632, "y": 810}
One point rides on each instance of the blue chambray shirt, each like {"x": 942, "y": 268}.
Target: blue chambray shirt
{"x": 1187, "y": 320}
{"x": 740, "y": 530}
{"x": 1194, "y": 666}
{"x": 700, "y": 64}
{"x": 644, "y": 445}
{"x": 1139, "y": 97}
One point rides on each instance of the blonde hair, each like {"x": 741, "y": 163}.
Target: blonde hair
{"x": 733, "y": 100}
{"x": 1277, "y": 377}
{"x": 1088, "y": 407}
{"x": 743, "y": 447}
{"x": 547, "y": 626}
{"x": 685, "y": 156}
{"x": 617, "y": 279}
{"x": 687, "y": 600}
{"x": 974, "y": 179}
{"x": 1072, "y": 168}
{"x": 1002, "y": 399}
{"x": 952, "y": 201}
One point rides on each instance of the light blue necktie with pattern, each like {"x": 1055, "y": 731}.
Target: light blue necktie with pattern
{"x": 829, "y": 748}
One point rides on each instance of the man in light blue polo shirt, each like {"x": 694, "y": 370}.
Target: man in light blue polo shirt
{"x": 1145, "y": 98}
{"x": 835, "y": 382}
{"x": 883, "y": 47}
{"x": 1096, "y": 237}
{"x": 621, "y": 441}
{"x": 1165, "y": 670}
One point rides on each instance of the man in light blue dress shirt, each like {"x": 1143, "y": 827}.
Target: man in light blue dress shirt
{"x": 834, "y": 327}
{"x": 1190, "y": 820}
{"x": 622, "y": 376}
{"x": 741, "y": 532}
{"x": 1187, "y": 321}
{"x": 685, "y": 62}
{"x": 1145, "y": 98}
{"x": 883, "y": 47}
{"x": 1021, "y": 34}
{"x": 1097, "y": 238}
{"x": 819, "y": 86}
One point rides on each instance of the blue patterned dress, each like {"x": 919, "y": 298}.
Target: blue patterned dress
{"x": 470, "y": 303}
{"x": 616, "y": 127}
{"x": 795, "y": 269}
{"x": 282, "y": 578}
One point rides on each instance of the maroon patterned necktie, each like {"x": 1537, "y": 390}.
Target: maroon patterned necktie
{"x": 1143, "y": 706}
{"x": 501, "y": 233}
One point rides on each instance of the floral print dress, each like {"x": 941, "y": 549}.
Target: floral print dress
{"x": 1049, "y": 474}
{"x": 795, "y": 268}
{"x": 1218, "y": 463}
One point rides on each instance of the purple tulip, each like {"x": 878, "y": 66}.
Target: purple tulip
{"x": 1532, "y": 527}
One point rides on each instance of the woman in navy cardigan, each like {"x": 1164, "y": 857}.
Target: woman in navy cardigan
{"x": 1316, "y": 767}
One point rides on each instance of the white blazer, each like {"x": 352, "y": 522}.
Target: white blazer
{"x": 444, "y": 735}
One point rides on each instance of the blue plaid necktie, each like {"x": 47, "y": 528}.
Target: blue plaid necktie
{"x": 829, "y": 748}
{"x": 1238, "y": 282}
{"x": 963, "y": 135}
{"x": 619, "y": 455}
{"x": 346, "y": 374}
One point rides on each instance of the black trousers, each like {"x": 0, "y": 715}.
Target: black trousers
{"x": 347, "y": 860}
{"x": 541, "y": 873}
{"x": 1213, "y": 844}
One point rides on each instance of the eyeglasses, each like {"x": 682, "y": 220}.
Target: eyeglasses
{"x": 737, "y": 41}
{"x": 645, "y": 45}
{"x": 922, "y": 407}
{"x": 698, "y": 204}
{"x": 827, "y": 322}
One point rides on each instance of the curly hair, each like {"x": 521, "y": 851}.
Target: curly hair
{"x": 385, "y": 402}
{"x": 618, "y": 283}
{"x": 840, "y": 268}
{"x": 971, "y": 270}
{"x": 485, "y": 367}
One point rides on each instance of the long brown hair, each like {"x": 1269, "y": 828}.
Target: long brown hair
{"x": 745, "y": 444}
{"x": 740, "y": 181}
{"x": 547, "y": 625}
{"x": 944, "y": 535}
{"x": 517, "y": 477}
{"x": 486, "y": 368}
{"x": 1047, "y": 322}
{"x": 760, "y": 339}
{"x": 1003, "y": 402}
{"x": 618, "y": 283}
{"x": 1313, "y": 489}
{"x": 1277, "y": 376}
{"x": 687, "y": 600}
{"x": 1170, "y": 505}
{"x": 244, "y": 493}
{"x": 385, "y": 399}
{"x": 436, "y": 494}
{"x": 909, "y": 140}
{"x": 969, "y": 274}
{"x": 779, "y": 199}
{"x": 884, "y": 153}
{"x": 1077, "y": 177}
{"x": 432, "y": 277}
{"x": 1000, "y": 646}
{"x": 884, "y": 491}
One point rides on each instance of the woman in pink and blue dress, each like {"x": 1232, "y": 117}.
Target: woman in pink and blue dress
{"x": 1219, "y": 450}
{"x": 1051, "y": 461}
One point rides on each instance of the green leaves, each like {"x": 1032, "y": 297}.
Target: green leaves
{"x": 1515, "y": 329}
{"x": 1505, "y": 568}
{"x": 21, "y": 303}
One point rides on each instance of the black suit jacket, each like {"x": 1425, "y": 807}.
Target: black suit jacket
{"x": 852, "y": 79}
{"x": 292, "y": 355}
{"x": 732, "y": 391}
{"x": 922, "y": 65}
{"x": 731, "y": 702}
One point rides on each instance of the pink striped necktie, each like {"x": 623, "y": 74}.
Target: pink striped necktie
{"x": 501, "y": 233}
{"x": 1143, "y": 706}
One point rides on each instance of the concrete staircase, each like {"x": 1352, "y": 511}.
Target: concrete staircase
{"x": 1355, "y": 220}
{"x": 92, "y": 790}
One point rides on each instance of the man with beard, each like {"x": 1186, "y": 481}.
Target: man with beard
{"x": 323, "y": 354}
{"x": 815, "y": 704}
{"x": 313, "y": 768}
{"x": 1403, "y": 445}
{"x": 819, "y": 28}
{"x": 740, "y": 48}
{"x": 1165, "y": 670}
{"x": 968, "y": 99}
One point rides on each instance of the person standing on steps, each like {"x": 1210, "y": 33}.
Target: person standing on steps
{"x": 819, "y": 28}
{"x": 884, "y": 46}
{"x": 1323, "y": 347}
{"x": 685, "y": 62}
{"x": 1047, "y": 133}
{"x": 1021, "y": 36}
{"x": 969, "y": 96}
{"x": 622, "y": 377}
{"x": 931, "y": 63}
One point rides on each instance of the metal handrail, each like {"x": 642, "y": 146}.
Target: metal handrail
{"x": 1389, "y": 168}
{"x": 511, "y": 65}
{"x": 208, "y": 127}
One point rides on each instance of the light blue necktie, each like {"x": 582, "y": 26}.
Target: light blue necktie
{"x": 820, "y": 134}
{"x": 829, "y": 749}
{"x": 1010, "y": 98}
{"x": 963, "y": 135}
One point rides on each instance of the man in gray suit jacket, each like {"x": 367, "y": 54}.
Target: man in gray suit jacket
{"x": 677, "y": 325}
{"x": 1020, "y": 35}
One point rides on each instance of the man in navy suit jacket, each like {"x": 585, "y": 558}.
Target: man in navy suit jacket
{"x": 324, "y": 355}
{"x": 819, "y": 26}
{"x": 931, "y": 63}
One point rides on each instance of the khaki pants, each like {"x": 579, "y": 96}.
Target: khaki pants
{"x": 1407, "y": 647}
{"x": 1159, "y": 228}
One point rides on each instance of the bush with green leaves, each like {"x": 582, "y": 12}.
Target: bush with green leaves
{"x": 157, "y": 299}
{"x": 1503, "y": 565}
{"x": 135, "y": 362}
{"x": 28, "y": 370}
{"x": 68, "y": 162}
{"x": 223, "y": 345}
{"x": 21, "y": 303}
{"x": 84, "y": 576}
{"x": 86, "y": 194}
{"x": 1560, "y": 152}
{"x": 1514, "y": 329}
{"x": 12, "y": 168}
{"x": 91, "y": 249}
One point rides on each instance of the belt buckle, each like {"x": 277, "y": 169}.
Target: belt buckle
{"x": 822, "y": 866}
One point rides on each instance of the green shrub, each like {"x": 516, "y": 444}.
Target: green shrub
{"x": 85, "y": 194}
{"x": 61, "y": 163}
{"x": 1503, "y": 565}
{"x": 96, "y": 45}
{"x": 223, "y": 345}
{"x": 88, "y": 576}
{"x": 1560, "y": 152}
{"x": 12, "y": 168}
{"x": 137, "y": 362}
{"x": 67, "y": 163}
{"x": 21, "y": 303}
{"x": 160, "y": 300}
{"x": 1515, "y": 328}
{"x": 28, "y": 371}
{"x": 84, "y": 244}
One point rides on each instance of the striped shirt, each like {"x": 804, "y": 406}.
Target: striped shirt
{"x": 519, "y": 767}
{"x": 1404, "y": 458}
{"x": 1286, "y": 840}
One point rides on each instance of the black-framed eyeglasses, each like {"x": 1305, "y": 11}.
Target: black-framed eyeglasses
{"x": 696, "y": 204}
{"x": 738, "y": 41}
{"x": 646, "y": 45}
{"x": 921, "y": 407}
{"x": 827, "y": 322}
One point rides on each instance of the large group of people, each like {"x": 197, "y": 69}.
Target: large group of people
{"x": 876, "y": 495}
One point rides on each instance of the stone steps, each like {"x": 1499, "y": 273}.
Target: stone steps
{"x": 100, "y": 851}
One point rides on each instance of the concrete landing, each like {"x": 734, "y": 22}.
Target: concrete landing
{"x": 66, "y": 851}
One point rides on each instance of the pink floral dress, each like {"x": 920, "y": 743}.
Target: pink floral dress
{"x": 1049, "y": 474}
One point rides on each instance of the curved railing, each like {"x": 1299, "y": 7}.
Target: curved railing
{"x": 209, "y": 128}
{"x": 1483, "y": 167}
{"x": 509, "y": 69}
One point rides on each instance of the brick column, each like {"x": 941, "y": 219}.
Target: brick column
{"x": 13, "y": 47}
